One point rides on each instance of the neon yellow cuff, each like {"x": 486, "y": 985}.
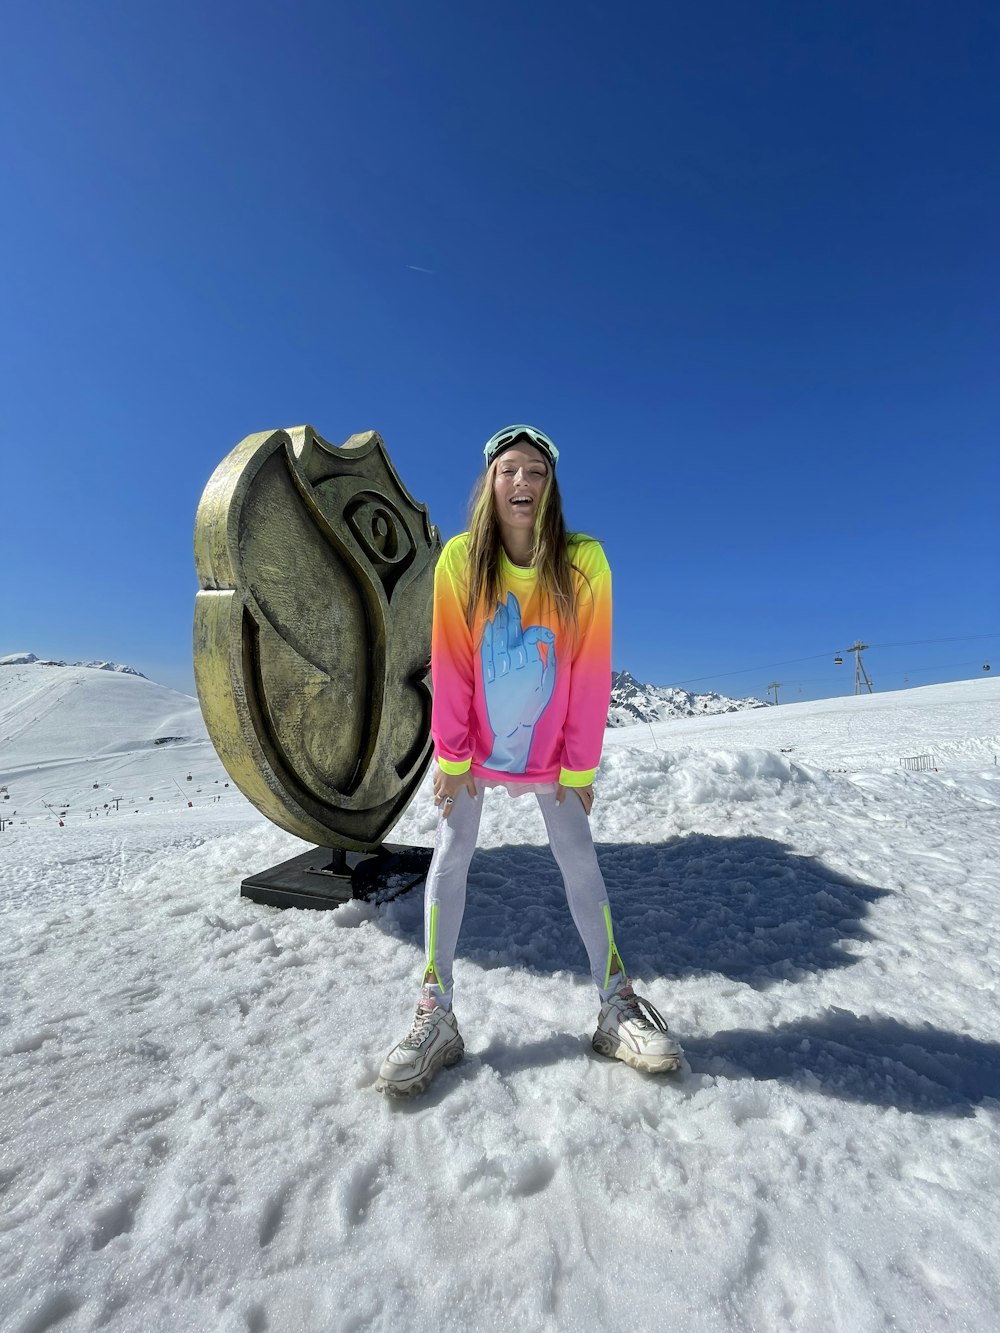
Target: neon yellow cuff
{"x": 454, "y": 766}
{"x": 567, "y": 778}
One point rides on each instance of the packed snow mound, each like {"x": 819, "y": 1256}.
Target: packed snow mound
{"x": 686, "y": 777}
{"x": 631, "y": 702}
{"x": 29, "y": 659}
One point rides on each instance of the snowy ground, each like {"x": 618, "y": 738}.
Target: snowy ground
{"x": 190, "y": 1140}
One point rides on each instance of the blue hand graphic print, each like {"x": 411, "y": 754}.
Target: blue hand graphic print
{"x": 519, "y": 674}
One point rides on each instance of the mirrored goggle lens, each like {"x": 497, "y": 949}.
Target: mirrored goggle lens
{"x": 508, "y": 436}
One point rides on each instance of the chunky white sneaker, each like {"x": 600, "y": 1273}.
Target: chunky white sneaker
{"x": 432, "y": 1042}
{"x": 630, "y": 1029}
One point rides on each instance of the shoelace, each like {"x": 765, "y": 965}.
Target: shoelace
{"x": 419, "y": 1030}
{"x": 643, "y": 1012}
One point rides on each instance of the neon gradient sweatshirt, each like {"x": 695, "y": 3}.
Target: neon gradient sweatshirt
{"x": 521, "y": 698}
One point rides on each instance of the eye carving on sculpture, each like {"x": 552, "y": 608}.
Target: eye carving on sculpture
{"x": 382, "y": 534}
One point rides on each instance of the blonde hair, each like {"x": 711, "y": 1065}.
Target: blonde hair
{"x": 550, "y": 552}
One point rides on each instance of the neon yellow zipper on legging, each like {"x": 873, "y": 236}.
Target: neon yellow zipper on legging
{"x": 613, "y": 955}
{"x": 431, "y": 970}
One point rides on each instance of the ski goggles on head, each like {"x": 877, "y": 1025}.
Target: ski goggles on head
{"x": 503, "y": 439}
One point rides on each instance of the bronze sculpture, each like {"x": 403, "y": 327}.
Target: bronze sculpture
{"x": 312, "y": 632}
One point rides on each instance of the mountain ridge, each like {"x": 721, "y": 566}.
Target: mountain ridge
{"x": 632, "y": 701}
{"x": 99, "y": 664}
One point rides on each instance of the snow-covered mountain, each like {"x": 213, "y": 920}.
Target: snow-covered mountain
{"x": 30, "y": 659}
{"x": 631, "y": 702}
{"x": 62, "y": 717}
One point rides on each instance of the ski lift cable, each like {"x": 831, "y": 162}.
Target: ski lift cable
{"x": 969, "y": 665}
{"x": 913, "y": 643}
{"x": 814, "y": 657}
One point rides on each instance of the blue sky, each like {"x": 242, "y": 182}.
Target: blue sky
{"x": 740, "y": 261}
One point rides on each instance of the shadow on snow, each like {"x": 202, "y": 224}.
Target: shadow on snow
{"x": 747, "y": 908}
{"x": 875, "y": 1060}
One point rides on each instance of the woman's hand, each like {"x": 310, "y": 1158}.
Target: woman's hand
{"x": 586, "y": 795}
{"x": 448, "y": 785}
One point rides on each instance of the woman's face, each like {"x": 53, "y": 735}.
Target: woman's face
{"x": 520, "y": 479}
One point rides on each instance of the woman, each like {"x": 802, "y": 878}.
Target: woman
{"x": 521, "y": 667}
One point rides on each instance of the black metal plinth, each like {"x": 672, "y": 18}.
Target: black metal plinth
{"x": 330, "y": 876}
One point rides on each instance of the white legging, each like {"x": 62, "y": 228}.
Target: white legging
{"x": 572, "y": 846}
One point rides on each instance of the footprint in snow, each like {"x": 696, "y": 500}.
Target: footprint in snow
{"x": 115, "y": 1219}
{"x": 273, "y": 1216}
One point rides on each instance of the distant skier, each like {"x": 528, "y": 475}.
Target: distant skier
{"x": 521, "y": 666}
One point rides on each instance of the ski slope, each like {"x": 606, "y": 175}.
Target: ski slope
{"x": 189, "y": 1136}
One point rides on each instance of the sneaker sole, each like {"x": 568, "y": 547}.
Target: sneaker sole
{"x": 446, "y": 1057}
{"x": 661, "y": 1064}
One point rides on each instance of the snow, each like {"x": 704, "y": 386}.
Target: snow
{"x": 190, "y": 1136}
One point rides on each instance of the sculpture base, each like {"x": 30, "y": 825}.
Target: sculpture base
{"x": 328, "y": 877}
